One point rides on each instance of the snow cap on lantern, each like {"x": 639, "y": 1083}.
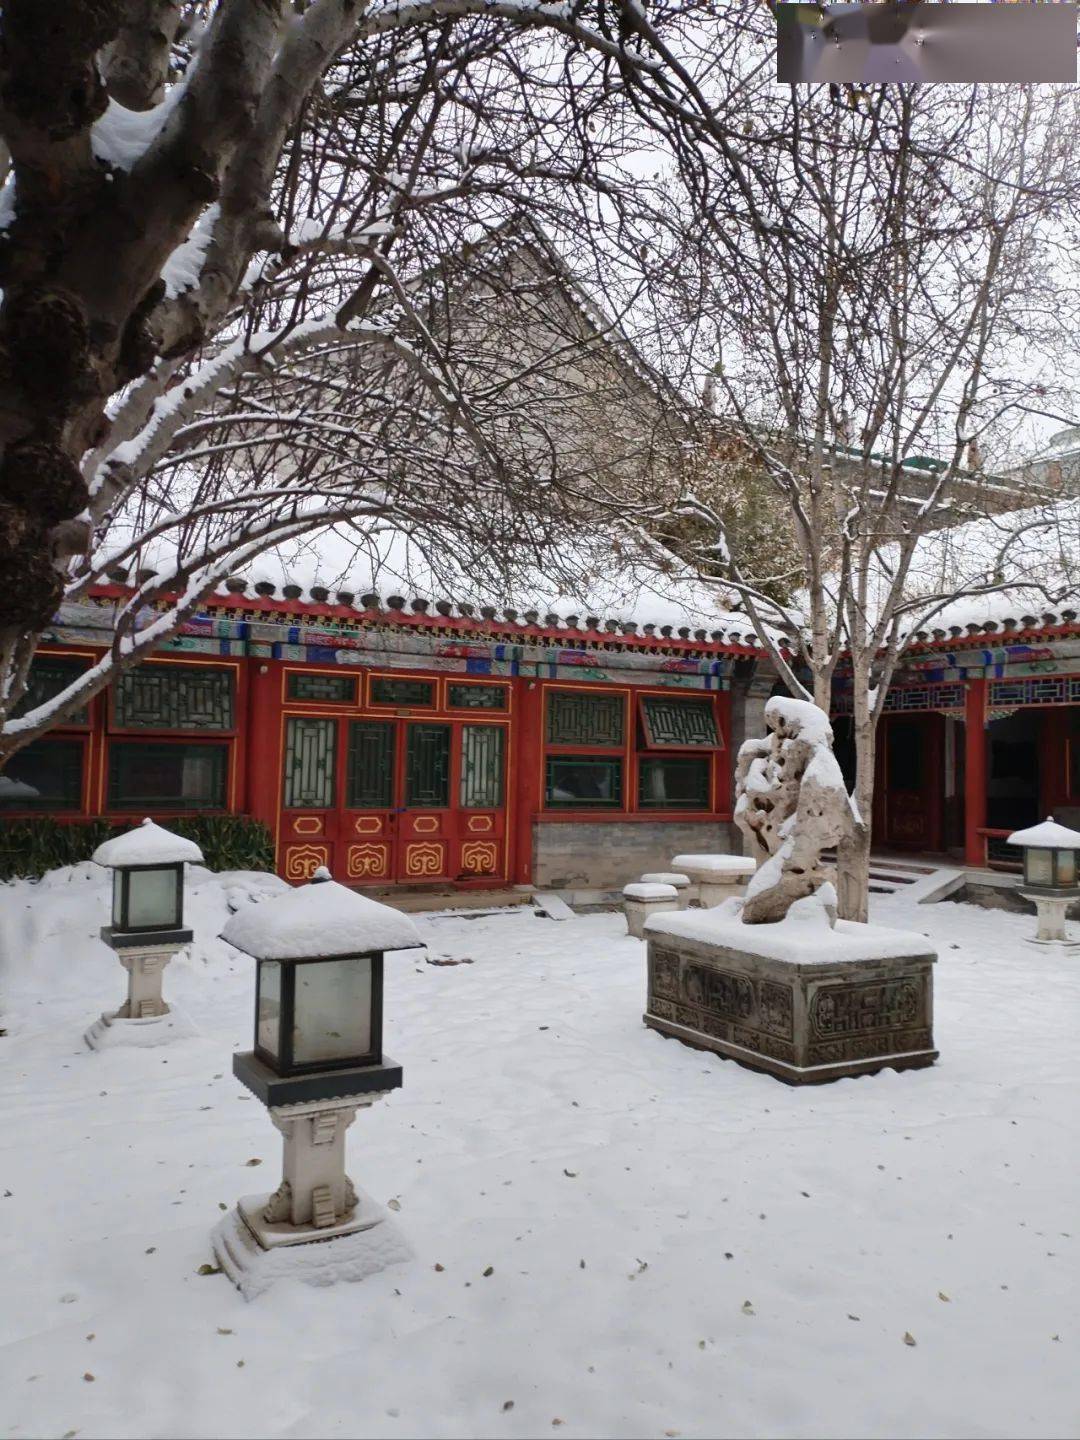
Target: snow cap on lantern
{"x": 1050, "y": 855}
{"x": 148, "y": 882}
{"x": 320, "y": 966}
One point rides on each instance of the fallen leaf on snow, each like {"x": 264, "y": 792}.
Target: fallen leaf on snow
{"x": 942, "y": 1296}
{"x": 253, "y": 1162}
{"x": 570, "y": 1174}
{"x": 208, "y": 1270}
{"x": 489, "y": 1271}
{"x": 508, "y": 1404}
{"x": 223, "y": 1330}
{"x": 393, "y": 1204}
{"x": 909, "y": 1339}
{"x": 747, "y": 1308}
{"x": 88, "y": 1376}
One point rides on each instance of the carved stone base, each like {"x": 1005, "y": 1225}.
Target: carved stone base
{"x": 116, "y": 1029}
{"x": 847, "y": 1001}
{"x": 1050, "y": 911}
{"x": 253, "y": 1254}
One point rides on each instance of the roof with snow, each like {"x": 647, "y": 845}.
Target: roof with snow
{"x": 147, "y": 844}
{"x": 1047, "y": 836}
{"x": 321, "y": 918}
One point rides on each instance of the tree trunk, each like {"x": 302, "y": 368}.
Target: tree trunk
{"x": 853, "y": 851}
{"x": 853, "y": 875}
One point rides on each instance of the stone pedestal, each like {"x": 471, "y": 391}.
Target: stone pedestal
{"x": 641, "y": 900}
{"x": 804, "y": 1004}
{"x": 1050, "y": 913}
{"x": 716, "y": 876}
{"x": 671, "y": 877}
{"x": 114, "y": 1029}
{"x": 315, "y": 1193}
{"x": 145, "y": 1004}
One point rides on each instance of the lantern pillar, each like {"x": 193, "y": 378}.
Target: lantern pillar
{"x": 1050, "y": 918}
{"x": 145, "y": 970}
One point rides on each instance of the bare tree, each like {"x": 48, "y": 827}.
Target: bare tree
{"x": 900, "y": 289}
{"x": 219, "y": 232}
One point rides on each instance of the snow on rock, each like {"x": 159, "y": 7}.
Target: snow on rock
{"x": 805, "y": 936}
{"x": 800, "y": 717}
{"x": 320, "y": 918}
{"x": 147, "y": 844}
{"x": 655, "y": 890}
{"x": 1048, "y": 835}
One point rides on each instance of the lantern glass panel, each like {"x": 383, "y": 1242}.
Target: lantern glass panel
{"x": 154, "y": 899}
{"x": 118, "y": 899}
{"x": 1038, "y": 866}
{"x": 268, "y": 1018}
{"x": 332, "y": 1011}
{"x": 1066, "y": 867}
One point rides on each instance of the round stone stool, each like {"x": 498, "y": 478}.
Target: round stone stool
{"x": 641, "y": 900}
{"x": 671, "y": 877}
{"x": 716, "y": 876}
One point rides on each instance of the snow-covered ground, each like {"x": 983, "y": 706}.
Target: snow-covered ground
{"x": 614, "y": 1235}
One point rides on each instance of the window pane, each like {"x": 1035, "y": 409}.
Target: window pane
{"x": 673, "y": 782}
{"x": 332, "y": 1010}
{"x": 585, "y": 780}
{"x": 477, "y": 697}
{"x": 168, "y": 777}
{"x": 482, "y": 766}
{"x": 310, "y": 750}
{"x": 44, "y": 775}
{"x": 268, "y": 1017}
{"x": 401, "y": 692}
{"x": 337, "y": 689}
{"x": 576, "y": 718}
{"x": 174, "y": 697}
{"x": 427, "y": 767}
{"x": 152, "y": 897}
{"x": 49, "y": 674}
{"x": 370, "y": 783}
{"x": 679, "y": 720}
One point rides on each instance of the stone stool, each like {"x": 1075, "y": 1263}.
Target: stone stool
{"x": 671, "y": 877}
{"x": 716, "y": 876}
{"x": 641, "y": 900}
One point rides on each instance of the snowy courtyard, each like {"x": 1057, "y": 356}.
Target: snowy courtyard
{"x": 614, "y": 1234}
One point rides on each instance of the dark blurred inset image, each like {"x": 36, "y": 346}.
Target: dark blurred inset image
{"x": 912, "y": 40}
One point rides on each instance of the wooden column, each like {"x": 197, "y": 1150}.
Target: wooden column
{"x": 526, "y": 776}
{"x": 974, "y": 771}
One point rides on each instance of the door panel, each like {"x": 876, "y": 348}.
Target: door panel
{"x": 309, "y": 783}
{"x": 481, "y": 791}
{"x": 424, "y": 819}
{"x": 368, "y": 814}
{"x": 913, "y": 745}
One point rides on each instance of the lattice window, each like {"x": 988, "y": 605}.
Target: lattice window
{"x": 49, "y": 675}
{"x": 482, "y": 749}
{"x": 674, "y": 721}
{"x": 370, "y": 782}
{"x": 148, "y": 774}
{"x": 406, "y": 693}
{"x": 174, "y": 697}
{"x": 585, "y": 782}
{"x": 904, "y": 698}
{"x": 477, "y": 697}
{"x": 674, "y": 782}
{"x": 427, "y": 767}
{"x": 310, "y": 753}
{"x": 1035, "y": 690}
{"x": 574, "y": 717}
{"x": 333, "y": 689}
{"x": 44, "y": 775}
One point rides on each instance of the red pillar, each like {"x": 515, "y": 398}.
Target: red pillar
{"x": 725, "y": 759}
{"x": 525, "y": 776}
{"x": 974, "y": 772}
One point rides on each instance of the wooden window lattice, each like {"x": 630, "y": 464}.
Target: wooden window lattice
{"x": 52, "y": 768}
{"x": 334, "y": 689}
{"x": 477, "y": 697}
{"x": 401, "y": 692}
{"x": 676, "y": 720}
{"x": 370, "y": 782}
{"x": 427, "y": 767}
{"x": 482, "y": 749}
{"x": 310, "y": 749}
{"x": 49, "y": 675}
{"x": 577, "y": 718}
{"x": 174, "y": 697}
{"x": 153, "y": 774}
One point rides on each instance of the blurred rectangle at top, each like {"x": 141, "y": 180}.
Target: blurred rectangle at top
{"x": 911, "y": 40}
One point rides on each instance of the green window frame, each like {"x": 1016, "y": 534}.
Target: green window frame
{"x": 674, "y": 782}
{"x": 50, "y": 675}
{"x": 53, "y": 768}
{"x": 167, "y": 775}
{"x": 476, "y": 697}
{"x": 427, "y": 767}
{"x": 329, "y": 689}
{"x": 483, "y": 748}
{"x": 310, "y": 763}
{"x": 369, "y": 781}
{"x": 583, "y": 782}
{"x": 679, "y": 722}
{"x": 576, "y": 717}
{"x": 175, "y": 697}
{"x": 402, "y": 691}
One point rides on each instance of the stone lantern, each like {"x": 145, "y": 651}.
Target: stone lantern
{"x": 1051, "y": 876}
{"x": 147, "y": 930}
{"x": 317, "y": 1058}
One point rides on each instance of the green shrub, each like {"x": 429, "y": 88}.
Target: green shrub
{"x": 28, "y": 848}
